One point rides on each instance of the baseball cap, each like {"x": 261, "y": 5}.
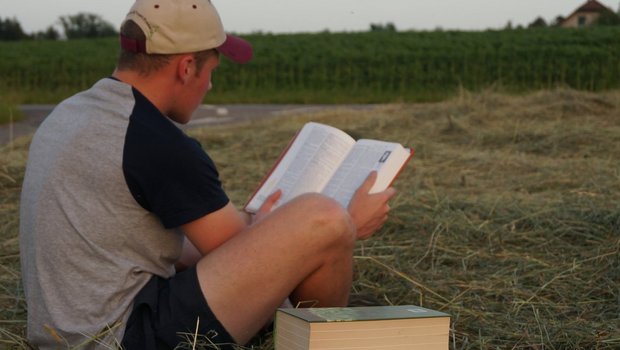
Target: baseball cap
{"x": 183, "y": 26}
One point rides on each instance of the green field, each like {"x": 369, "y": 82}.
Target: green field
{"x": 365, "y": 67}
{"x": 507, "y": 217}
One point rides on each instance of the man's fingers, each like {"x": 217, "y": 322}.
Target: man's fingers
{"x": 369, "y": 182}
{"x": 271, "y": 201}
{"x": 275, "y": 197}
{"x": 390, "y": 192}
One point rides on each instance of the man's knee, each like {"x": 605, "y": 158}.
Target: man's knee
{"x": 327, "y": 217}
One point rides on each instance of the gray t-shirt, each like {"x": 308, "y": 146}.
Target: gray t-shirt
{"x": 108, "y": 180}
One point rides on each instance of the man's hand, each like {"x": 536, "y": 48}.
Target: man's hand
{"x": 369, "y": 211}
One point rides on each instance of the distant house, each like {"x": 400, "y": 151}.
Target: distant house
{"x": 585, "y": 15}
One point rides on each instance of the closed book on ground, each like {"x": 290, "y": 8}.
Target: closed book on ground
{"x": 404, "y": 327}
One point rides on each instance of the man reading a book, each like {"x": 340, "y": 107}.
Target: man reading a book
{"x": 127, "y": 237}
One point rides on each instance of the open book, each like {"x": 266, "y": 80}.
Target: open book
{"x": 406, "y": 327}
{"x": 324, "y": 159}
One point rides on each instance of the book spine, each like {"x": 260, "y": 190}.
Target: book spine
{"x": 275, "y": 165}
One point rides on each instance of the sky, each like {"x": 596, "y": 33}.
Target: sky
{"x": 293, "y": 16}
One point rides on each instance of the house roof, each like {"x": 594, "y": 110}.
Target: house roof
{"x": 592, "y": 6}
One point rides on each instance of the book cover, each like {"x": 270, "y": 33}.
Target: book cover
{"x": 365, "y": 313}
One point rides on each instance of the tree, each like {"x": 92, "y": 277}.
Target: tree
{"x": 11, "y": 29}
{"x": 558, "y": 21}
{"x": 49, "y": 34}
{"x": 86, "y": 25}
{"x": 538, "y": 23}
{"x": 608, "y": 18}
{"x": 388, "y": 27}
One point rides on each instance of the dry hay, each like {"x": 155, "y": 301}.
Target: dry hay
{"x": 508, "y": 217}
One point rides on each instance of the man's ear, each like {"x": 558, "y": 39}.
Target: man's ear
{"x": 185, "y": 67}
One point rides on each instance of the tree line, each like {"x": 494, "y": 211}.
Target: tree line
{"x": 81, "y": 25}
{"x": 89, "y": 25}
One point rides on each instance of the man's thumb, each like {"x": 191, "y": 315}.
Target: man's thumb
{"x": 369, "y": 182}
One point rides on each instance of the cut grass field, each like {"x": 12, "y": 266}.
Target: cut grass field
{"x": 9, "y": 113}
{"x": 507, "y": 218}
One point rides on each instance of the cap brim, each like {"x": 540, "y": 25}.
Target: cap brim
{"x": 236, "y": 49}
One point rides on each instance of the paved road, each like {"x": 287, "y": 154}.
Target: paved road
{"x": 205, "y": 115}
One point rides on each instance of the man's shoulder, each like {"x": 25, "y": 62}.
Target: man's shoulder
{"x": 106, "y": 90}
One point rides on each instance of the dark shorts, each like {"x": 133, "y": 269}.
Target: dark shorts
{"x": 165, "y": 315}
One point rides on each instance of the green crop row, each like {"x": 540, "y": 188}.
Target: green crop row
{"x": 348, "y": 67}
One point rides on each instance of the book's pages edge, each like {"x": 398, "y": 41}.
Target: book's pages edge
{"x": 286, "y": 323}
{"x": 402, "y": 167}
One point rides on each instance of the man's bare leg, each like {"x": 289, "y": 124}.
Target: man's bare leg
{"x": 304, "y": 249}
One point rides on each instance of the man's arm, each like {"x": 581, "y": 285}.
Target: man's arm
{"x": 212, "y": 230}
{"x": 189, "y": 256}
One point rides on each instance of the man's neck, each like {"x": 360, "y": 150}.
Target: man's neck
{"x": 157, "y": 88}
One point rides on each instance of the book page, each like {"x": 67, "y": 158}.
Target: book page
{"x": 307, "y": 166}
{"x": 387, "y": 158}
